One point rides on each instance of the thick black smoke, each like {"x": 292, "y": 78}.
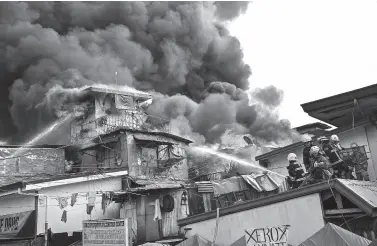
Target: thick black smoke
{"x": 176, "y": 49}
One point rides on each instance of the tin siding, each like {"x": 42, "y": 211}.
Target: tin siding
{"x": 169, "y": 220}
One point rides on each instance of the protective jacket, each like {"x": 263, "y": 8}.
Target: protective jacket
{"x": 296, "y": 174}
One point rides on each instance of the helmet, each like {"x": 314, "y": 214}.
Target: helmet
{"x": 322, "y": 139}
{"x": 334, "y": 138}
{"x": 314, "y": 150}
{"x": 292, "y": 157}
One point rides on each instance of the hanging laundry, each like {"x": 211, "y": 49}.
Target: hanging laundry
{"x": 73, "y": 199}
{"x": 157, "y": 210}
{"x": 106, "y": 200}
{"x": 63, "y": 202}
{"x": 64, "y": 216}
{"x": 91, "y": 198}
{"x": 89, "y": 209}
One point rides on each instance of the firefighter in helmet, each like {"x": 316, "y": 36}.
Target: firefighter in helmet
{"x": 308, "y": 143}
{"x": 341, "y": 168}
{"x": 295, "y": 170}
{"x": 320, "y": 166}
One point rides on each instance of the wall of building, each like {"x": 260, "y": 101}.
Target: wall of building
{"x": 139, "y": 167}
{"x": 77, "y": 213}
{"x": 279, "y": 162}
{"x": 303, "y": 214}
{"x": 32, "y": 161}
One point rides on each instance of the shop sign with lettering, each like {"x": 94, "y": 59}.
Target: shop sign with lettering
{"x": 267, "y": 236}
{"x": 17, "y": 225}
{"x": 105, "y": 232}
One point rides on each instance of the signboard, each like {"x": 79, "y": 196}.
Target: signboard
{"x": 105, "y": 232}
{"x": 19, "y": 225}
{"x": 267, "y": 236}
{"x": 124, "y": 102}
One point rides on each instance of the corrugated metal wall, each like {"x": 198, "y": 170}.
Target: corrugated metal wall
{"x": 169, "y": 220}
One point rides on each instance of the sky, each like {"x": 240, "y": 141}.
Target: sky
{"x": 310, "y": 49}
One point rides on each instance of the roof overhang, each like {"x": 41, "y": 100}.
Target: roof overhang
{"x": 117, "y": 90}
{"x": 341, "y": 110}
{"x": 37, "y": 185}
{"x": 297, "y": 145}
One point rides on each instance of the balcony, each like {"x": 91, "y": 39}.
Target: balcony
{"x": 87, "y": 129}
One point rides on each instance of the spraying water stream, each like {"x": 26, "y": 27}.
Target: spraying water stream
{"x": 41, "y": 135}
{"x": 233, "y": 158}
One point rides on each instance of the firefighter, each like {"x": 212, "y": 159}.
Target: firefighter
{"x": 343, "y": 169}
{"x": 334, "y": 142}
{"x": 295, "y": 170}
{"x": 340, "y": 170}
{"x": 361, "y": 160}
{"x": 319, "y": 168}
{"x": 306, "y": 153}
{"x": 321, "y": 141}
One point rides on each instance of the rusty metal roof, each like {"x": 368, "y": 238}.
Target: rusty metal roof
{"x": 365, "y": 190}
{"x": 156, "y": 184}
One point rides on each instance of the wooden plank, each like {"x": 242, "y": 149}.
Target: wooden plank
{"x": 338, "y": 200}
{"x": 343, "y": 211}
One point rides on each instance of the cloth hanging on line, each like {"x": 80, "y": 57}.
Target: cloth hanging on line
{"x": 64, "y": 216}
{"x": 91, "y": 198}
{"x": 157, "y": 210}
{"x": 63, "y": 202}
{"x": 73, "y": 199}
{"x": 106, "y": 200}
{"x": 89, "y": 209}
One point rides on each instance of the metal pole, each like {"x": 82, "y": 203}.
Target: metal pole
{"x": 217, "y": 226}
{"x": 46, "y": 222}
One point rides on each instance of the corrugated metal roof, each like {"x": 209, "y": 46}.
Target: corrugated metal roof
{"x": 366, "y": 190}
{"x": 156, "y": 184}
{"x": 204, "y": 186}
{"x": 155, "y": 138}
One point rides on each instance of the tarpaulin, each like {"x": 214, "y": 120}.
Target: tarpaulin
{"x": 252, "y": 182}
{"x": 331, "y": 234}
{"x": 19, "y": 225}
{"x": 233, "y": 184}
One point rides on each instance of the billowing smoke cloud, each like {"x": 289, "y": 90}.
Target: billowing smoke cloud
{"x": 180, "y": 51}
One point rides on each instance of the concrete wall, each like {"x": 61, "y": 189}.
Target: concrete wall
{"x": 77, "y": 213}
{"x": 32, "y": 161}
{"x": 303, "y": 214}
{"x": 139, "y": 168}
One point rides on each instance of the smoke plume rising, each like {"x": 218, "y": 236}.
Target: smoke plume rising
{"x": 180, "y": 51}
